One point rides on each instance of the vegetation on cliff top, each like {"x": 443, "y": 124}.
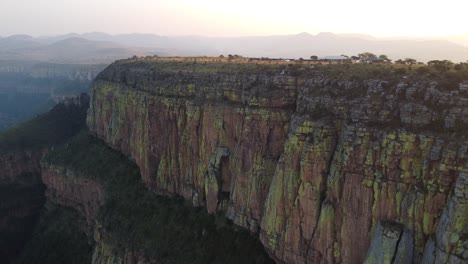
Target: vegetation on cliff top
{"x": 445, "y": 72}
{"x": 164, "y": 228}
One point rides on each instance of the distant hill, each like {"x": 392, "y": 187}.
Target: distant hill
{"x": 17, "y": 42}
{"x": 67, "y": 50}
{"x": 292, "y": 46}
{"x": 461, "y": 39}
{"x": 99, "y": 47}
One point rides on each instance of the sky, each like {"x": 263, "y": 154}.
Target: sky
{"x": 380, "y": 18}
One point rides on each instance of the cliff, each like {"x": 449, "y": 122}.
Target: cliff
{"x": 323, "y": 169}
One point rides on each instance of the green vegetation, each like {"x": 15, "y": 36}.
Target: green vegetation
{"x": 167, "y": 229}
{"x": 446, "y": 73}
{"x": 209, "y": 65}
{"x": 51, "y": 128}
{"x": 58, "y": 238}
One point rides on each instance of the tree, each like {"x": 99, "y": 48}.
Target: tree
{"x": 384, "y": 58}
{"x": 367, "y": 56}
{"x": 399, "y": 61}
{"x": 314, "y": 57}
{"x": 410, "y": 61}
{"x": 440, "y": 65}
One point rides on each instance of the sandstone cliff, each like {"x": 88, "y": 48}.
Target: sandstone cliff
{"x": 324, "y": 170}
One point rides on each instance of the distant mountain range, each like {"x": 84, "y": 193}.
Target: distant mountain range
{"x": 105, "y": 48}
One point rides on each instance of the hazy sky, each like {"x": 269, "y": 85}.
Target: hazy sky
{"x": 382, "y": 18}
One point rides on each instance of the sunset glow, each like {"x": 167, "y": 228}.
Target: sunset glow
{"x": 235, "y": 18}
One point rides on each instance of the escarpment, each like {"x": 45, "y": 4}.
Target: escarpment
{"x": 175, "y": 150}
{"x": 324, "y": 170}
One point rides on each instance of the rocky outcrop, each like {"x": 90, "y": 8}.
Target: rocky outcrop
{"x": 71, "y": 189}
{"x": 324, "y": 170}
{"x": 66, "y": 188}
{"x": 451, "y": 239}
{"x": 391, "y": 243}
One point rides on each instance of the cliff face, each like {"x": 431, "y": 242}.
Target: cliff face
{"x": 316, "y": 212}
{"x": 324, "y": 170}
{"x": 66, "y": 188}
{"x": 222, "y": 155}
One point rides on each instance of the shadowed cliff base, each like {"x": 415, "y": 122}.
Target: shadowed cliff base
{"x": 136, "y": 224}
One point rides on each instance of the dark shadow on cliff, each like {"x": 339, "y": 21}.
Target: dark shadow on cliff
{"x": 163, "y": 229}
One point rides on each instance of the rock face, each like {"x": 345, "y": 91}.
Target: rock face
{"x": 390, "y": 244}
{"x": 451, "y": 245}
{"x": 324, "y": 170}
{"x": 85, "y": 195}
{"x": 66, "y": 188}
{"x": 185, "y": 151}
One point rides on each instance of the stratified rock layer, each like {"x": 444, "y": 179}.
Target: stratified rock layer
{"x": 312, "y": 165}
